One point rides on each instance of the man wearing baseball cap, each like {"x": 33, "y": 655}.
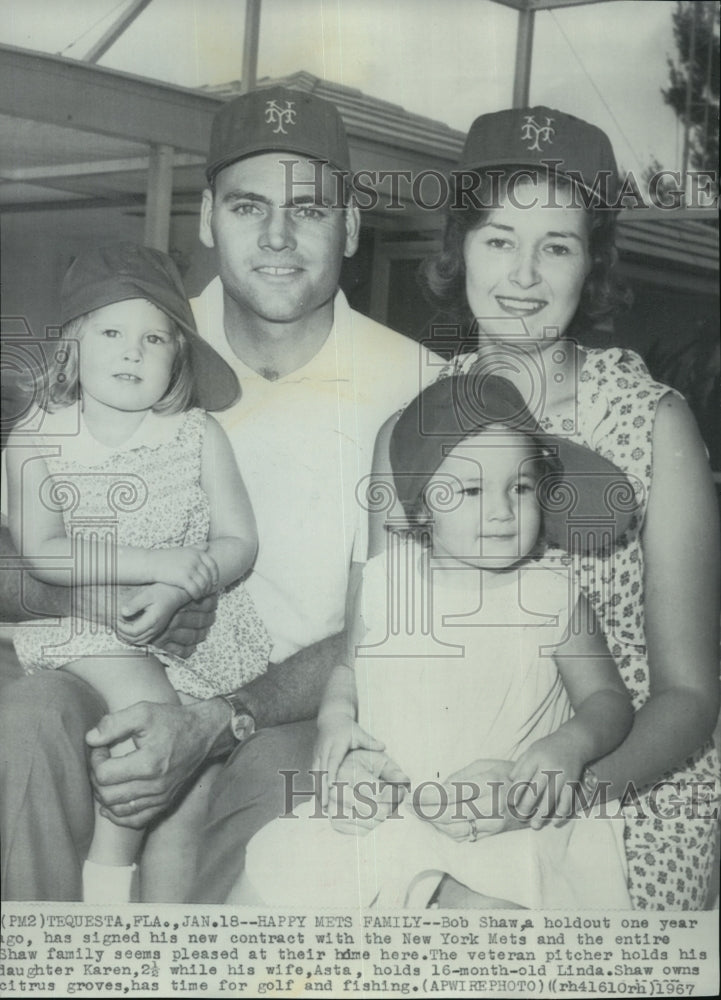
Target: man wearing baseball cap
{"x": 317, "y": 380}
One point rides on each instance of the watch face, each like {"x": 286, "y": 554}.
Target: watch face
{"x": 243, "y": 725}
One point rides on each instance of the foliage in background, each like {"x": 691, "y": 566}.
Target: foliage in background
{"x": 696, "y": 64}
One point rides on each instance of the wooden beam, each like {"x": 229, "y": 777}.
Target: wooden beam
{"x": 130, "y": 164}
{"x": 159, "y": 198}
{"x": 547, "y": 4}
{"x": 75, "y": 204}
{"x": 515, "y": 4}
{"x": 556, "y": 4}
{"x": 65, "y": 92}
{"x": 115, "y": 30}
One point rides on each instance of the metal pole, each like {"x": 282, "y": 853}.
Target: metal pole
{"x": 115, "y": 30}
{"x": 524, "y": 52}
{"x": 159, "y": 197}
{"x": 249, "y": 72}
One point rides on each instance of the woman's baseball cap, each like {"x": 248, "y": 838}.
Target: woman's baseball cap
{"x": 548, "y": 139}
{"x": 277, "y": 119}
{"x": 586, "y": 501}
{"x": 122, "y": 271}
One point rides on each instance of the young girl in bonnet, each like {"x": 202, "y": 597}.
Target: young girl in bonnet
{"x": 127, "y": 481}
{"x": 468, "y": 645}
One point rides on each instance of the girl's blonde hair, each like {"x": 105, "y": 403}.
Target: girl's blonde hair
{"x": 62, "y": 378}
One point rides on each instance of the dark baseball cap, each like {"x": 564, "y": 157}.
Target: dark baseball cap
{"x": 582, "y": 495}
{"x": 546, "y": 138}
{"x": 276, "y": 119}
{"x": 122, "y": 271}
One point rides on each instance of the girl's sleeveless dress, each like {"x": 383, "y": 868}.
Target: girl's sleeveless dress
{"x": 146, "y": 493}
{"x": 446, "y": 675}
{"x": 670, "y": 836}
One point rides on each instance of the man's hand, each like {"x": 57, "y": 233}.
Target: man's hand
{"x": 162, "y": 614}
{"x": 172, "y": 742}
{"x": 148, "y": 611}
{"x": 375, "y": 777}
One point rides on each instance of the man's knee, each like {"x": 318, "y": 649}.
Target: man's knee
{"x": 249, "y": 792}
{"x": 252, "y": 786}
{"x": 262, "y": 767}
{"x": 46, "y": 705}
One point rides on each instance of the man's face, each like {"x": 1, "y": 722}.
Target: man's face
{"x": 279, "y": 251}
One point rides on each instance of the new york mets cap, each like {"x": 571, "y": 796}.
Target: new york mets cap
{"x": 546, "y": 138}
{"x": 276, "y": 119}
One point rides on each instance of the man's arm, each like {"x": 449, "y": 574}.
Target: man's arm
{"x": 174, "y": 740}
{"x": 292, "y": 690}
{"x": 21, "y": 595}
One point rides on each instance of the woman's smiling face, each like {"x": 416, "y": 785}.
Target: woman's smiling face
{"x": 526, "y": 264}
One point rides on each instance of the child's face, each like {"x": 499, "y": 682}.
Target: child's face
{"x": 483, "y": 503}
{"x": 126, "y": 355}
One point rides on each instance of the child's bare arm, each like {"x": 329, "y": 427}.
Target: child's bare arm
{"x": 603, "y": 713}
{"x": 602, "y": 718}
{"x": 38, "y": 533}
{"x": 338, "y": 731}
{"x": 233, "y": 539}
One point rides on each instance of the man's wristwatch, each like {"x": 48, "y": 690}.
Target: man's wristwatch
{"x": 242, "y": 721}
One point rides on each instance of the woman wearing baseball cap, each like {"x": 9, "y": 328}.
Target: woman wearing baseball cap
{"x": 528, "y": 257}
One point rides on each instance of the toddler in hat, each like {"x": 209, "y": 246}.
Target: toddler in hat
{"x": 470, "y": 643}
{"x": 126, "y": 481}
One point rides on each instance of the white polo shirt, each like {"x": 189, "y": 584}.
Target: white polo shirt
{"x": 303, "y": 444}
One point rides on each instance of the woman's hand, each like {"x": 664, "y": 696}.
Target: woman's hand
{"x": 338, "y": 733}
{"x": 470, "y": 803}
{"x": 546, "y": 770}
{"x": 189, "y": 567}
{"x": 148, "y": 612}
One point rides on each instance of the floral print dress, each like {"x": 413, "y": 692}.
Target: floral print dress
{"x": 146, "y": 493}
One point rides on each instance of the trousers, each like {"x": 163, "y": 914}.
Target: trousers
{"x": 46, "y": 805}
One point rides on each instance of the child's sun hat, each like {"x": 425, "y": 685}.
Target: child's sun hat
{"x": 105, "y": 275}
{"x": 587, "y": 502}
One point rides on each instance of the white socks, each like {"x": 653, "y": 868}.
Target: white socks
{"x": 109, "y": 883}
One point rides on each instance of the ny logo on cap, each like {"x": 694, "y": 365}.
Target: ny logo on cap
{"x": 538, "y": 133}
{"x": 281, "y": 116}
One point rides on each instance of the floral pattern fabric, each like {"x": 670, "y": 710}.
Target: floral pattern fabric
{"x": 147, "y": 496}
